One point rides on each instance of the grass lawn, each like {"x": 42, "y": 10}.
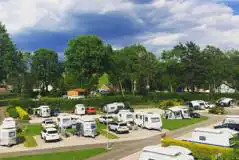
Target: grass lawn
{"x": 179, "y": 123}
{"x": 31, "y": 130}
{"x": 74, "y": 155}
{"x": 30, "y": 141}
{"x": 101, "y": 128}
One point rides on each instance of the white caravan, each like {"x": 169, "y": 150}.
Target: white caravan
{"x": 164, "y": 153}
{"x": 86, "y": 127}
{"x": 125, "y": 116}
{"x": 231, "y": 119}
{"x": 226, "y": 102}
{"x": 43, "y": 111}
{"x": 177, "y": 112}
{"x": 80, "y": 109}
{"x": 113, "y": 107}
{"x": 148, "y": 120}
{"x": 216, "y": 137}
{"x": 200, "y": 104}
{"x": 8, "y": 132}
{"x": 64, "y": 120}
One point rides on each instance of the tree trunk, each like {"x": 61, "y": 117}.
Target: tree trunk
{"x": 171, "y": 87}
{"x": 121, "y": 88}
{"x": 134, "y": 89}
{"x": 132, "y": 86}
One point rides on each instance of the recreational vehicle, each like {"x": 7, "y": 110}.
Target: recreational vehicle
{"x": 86, "y": 127}
{"x": 125, "y": 116}
{"x": 113, "y": 107}
{"x": 80, "y": 109}
{"x": 216, "y": 137}
{"x": 43, "y": 111}
{"x": 200, "y": 104}
{"x": 177, "y": 112}
{"x": 164, "y": 153}
{"x": 148, "y": 120}
{"x": 8, "y": 132}
{"x": 64, "y": 121}
{"x": 226, "y": 102}
{"x": 231, "y": 119}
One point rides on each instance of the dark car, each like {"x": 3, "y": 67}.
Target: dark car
{"x": 55, "y": 112}
{"x": 228, "y": 125}
{"x": 195, "y": 115}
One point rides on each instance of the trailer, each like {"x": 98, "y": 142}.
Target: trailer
{"x": 226, "y": 102}
{"x": 64, "y": 120}
{"x": 148, "y": 120}
{"x": 8, "y": 132}
{"x": 42, "y": 111}
{"x": 125, "y": 116}
{"x": 165, "y": 153}
{"x": 80, "y": 109}
{"x": 231, "y": 119}
{"x": 200, "y": 104}
{"x": 217, "y": 137}
{"x": 86, "y": 127}
{"x": 113, "y": 107}
{"x": 177, "y": 112}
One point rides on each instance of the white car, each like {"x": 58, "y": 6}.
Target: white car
{"x": 106, "y": 119}
{"x": 50, "y": 134}
{"x": 118, "y": 127}
{"x": 48, "y": 123}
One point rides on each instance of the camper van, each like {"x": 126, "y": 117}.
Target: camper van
{"x": 125, "y": 116}
{"x": 177, "y": 112}
{"x": 43, "y": 111}
{"x": 216, "y": 137}
{"x": 8, "y": 132}
{"x": 165, "y": 153}
{"x": 86, "y": 127}
{"x": 64, "y": 121}
{"x": 113, "y": 107}
{"x": 148, "y": 120}
{"x": 80, "y": 109}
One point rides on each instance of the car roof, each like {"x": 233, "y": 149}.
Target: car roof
{"x": 51, "y": 129}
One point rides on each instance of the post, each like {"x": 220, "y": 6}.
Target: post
{"x": 107, "y": 126}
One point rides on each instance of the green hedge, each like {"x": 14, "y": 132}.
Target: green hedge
{"x": 217, "y": 110}
{"x": 202, "y": 151}
{"x": 12, "y": 112}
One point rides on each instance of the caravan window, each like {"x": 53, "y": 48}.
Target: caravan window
{"x": 177, "y": 114}
{"x": 140, "y": 117}
{"x": 136, "y": 116}
{"x": 112, "y": 108}
{"x": 129, "y": 116}
{"x": 93, "y": 126}
{"x": 12, "y": 134}
{"x": 155, "y": 119}
{"x": 202, "y": 138}
{"x": 146, "y": 119}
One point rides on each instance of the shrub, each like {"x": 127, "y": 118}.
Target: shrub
{"x": 169, "y": 103}
{"x": 201, "y": 151}
{"x": 217, "y": 110}
{"x": 12, "y": 112}
{"x": 23, "y": 115}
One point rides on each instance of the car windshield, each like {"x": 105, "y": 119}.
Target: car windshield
{"x": 123, "y": 125}
{"x": 52, "y": 132}
{"x": 155, "y": 119}
{"x": 49, "y": 122}
{"x": 109, "y": 117}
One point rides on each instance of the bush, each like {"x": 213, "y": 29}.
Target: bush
{"x": 169, "y": 103}
{"x": 217, "y": 110}
{"x": 23, "y": 115}
{"x": 12, "y": 112}
{"x": 29, "y": 141}
{"x": 201, "y": 151}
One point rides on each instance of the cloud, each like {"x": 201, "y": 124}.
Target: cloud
{"x": 158, "y": 24}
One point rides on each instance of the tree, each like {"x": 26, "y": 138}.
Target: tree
{"x": 45, "y": 68}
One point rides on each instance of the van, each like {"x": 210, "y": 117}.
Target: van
{"x": 148, "y": 120}
{"x": 8, "y": 132}
{"x": 80, "y": 109}
{"x": 164, "y": 153}
{"x": 42, "y": 111}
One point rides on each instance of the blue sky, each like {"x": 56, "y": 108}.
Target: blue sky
{"x": 157, "y": 24}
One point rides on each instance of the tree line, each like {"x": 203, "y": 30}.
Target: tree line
{"x": 131, "y": 69}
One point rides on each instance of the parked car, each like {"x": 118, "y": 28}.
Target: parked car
{"x": 118, "y": 127}
{"x": 90, "y": 110}
{"x": 55, "y": 112}
{"x": 225, "y": 102}
{"x": 48, "y": 123}
{"x": 105, "y": 119}
{"x": 228, "y": 125}
{"x": 194, "y": 115}
{"x": 50, "y": 134}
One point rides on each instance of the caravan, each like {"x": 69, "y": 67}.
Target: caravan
{"x": 148, "y": 120}
{"x": 200, "y": 104}
{"x": 125, "y": 116}
{"x": 113, "y": 107}
{"x": 226, "y": 102}
{"x": 43, "y": 111}
{"x": 64, "y": 121}
{"x": 177, "y": 112}
{"x": 80, "y": 109}
{"x": 165, "y": 153}
{"x": 217, "y": 137}
{"x": 8, "y": 132}
{"x": 86, "y": 127}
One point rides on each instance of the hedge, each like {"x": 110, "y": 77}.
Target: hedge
{"x": 12, "y": 112}
{"x": 202, "y": 151}
{"x": 217, "y": 110}
{"x": 23, "y": 115}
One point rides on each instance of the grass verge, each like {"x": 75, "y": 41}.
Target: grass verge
{"x": 101, "y": 129}
{"x": 179, "y": 123}
{"x": 30, "y": 141}
{"x": 31, "y": 130}
{"x": 74, "y": 155}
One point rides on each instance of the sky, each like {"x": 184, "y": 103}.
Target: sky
{"x": 156, "y": 24}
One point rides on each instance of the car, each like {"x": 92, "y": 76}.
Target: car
{"x": 90, "y": 110}
{"x": 48, "y": 123}
{"x": 55, "y": 112}
{"x": 119, "y": 127}
{"x": 194, "y": 115}
{"x": 228, "y": 125}
{"x": 50, "y": 134}
{"x": 106, "y": 119}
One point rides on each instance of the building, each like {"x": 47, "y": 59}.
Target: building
{"x": 3, "y": 88}
{"x": 225, "y": 88}
{"x": 76, "y": 92}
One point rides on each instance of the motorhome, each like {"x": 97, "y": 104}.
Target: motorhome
{"x": 43, "y": 111}
{"x": 125, "y": 116}
{"x": 64, "y": 120}
{"x": 164, "y": 153}
{"x": 217, "y": 137}
{"x": 148, "y": 120}
{"x": 177, "y": 112}
{"x": 86, "y": 127}
{"x": 8, "y": 132}
{"x": 226, "y": 102}
{"x": 113, "y": 107}
{"x": 80, "y": 109}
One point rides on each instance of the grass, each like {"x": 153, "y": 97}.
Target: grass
{"x": 101, "y": 129}
{"x": 74, "y": 155}
{"x": 30, "y": 141}
{"x": 31, "y": 130}
{"x": 179, "y": 123}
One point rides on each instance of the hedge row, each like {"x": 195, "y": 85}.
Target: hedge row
{"x": 23, "y": 115}
{"x": 202, "y": 151}
{"x": 12, "y": 112}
